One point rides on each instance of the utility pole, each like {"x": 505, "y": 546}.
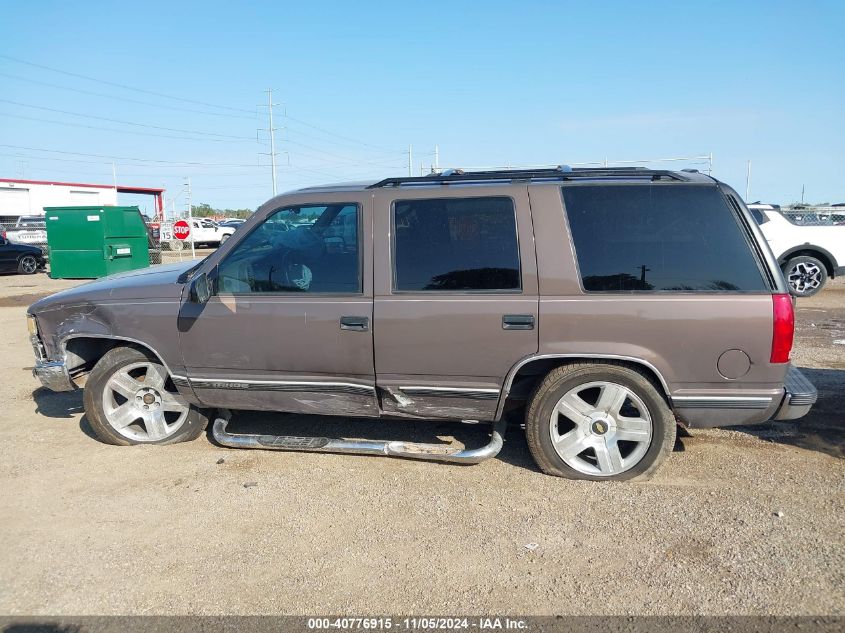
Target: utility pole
{"x": 410, "y": 160}
{"x": 802, "y": 194}
{"x": 272, "y": 131}
{"x": 437, "y": 159}
{"x": 114, "y": 175}
{"x": 191, "y": 220}
{"x": 748, "y": 183}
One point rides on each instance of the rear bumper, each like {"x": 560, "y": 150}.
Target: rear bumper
{"x": 53, "y": 374}
{"x": 799, "y": 396}
{"x": 794, "y": 400}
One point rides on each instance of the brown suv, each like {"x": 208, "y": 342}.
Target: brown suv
{"x": 599, "y": 306}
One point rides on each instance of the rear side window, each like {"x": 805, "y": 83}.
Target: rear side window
{"x": 467, "y": 244}
{"x": 758, "y": 216}
{"x": 659, "y": 238}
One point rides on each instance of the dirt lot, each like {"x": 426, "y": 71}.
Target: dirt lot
{"x": 747, "y": 521}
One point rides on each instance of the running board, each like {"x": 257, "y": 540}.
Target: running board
{"x": 409, "y": 450}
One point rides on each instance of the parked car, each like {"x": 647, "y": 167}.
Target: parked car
{"x": 808, "y": 255}
{"x": 578, "y": 302}
{"x": 20, "y": 258}
{"x": 232, "y": 224}
{"x": 29, "y": 229}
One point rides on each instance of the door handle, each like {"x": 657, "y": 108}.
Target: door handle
{"x": 518, "y": 322}
{"x": 355, "y": 323}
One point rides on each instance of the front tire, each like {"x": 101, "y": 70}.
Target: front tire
{"x": 805, "y": 275}
{"x": 599, "y": 421}
{"x": 130, "y": 399}
{"x": 28, "y": 265}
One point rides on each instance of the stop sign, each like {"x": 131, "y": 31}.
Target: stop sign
{"x": 182, "y": 229}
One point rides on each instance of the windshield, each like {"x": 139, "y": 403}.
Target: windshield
{"x": 36, "y": 222}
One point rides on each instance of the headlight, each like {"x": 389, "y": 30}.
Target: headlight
{"x": 32, "y": 325}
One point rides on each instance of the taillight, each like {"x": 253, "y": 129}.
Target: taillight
{"x": 784, "y": 328}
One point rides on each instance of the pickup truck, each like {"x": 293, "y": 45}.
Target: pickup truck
{"x": 203, "y": 231}
{"x": 807, "y": 254}
{"x": 29, "y": 229}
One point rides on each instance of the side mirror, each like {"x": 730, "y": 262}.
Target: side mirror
{"x": 200, "y": 289}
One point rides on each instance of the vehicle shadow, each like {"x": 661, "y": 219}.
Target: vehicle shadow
{"x": 40, "y": 627}
{"x": 823, "y": 428}
{"x": 57, "y": 404}
{"x": 514, "y": 451}
{"x": 62, "y": 405}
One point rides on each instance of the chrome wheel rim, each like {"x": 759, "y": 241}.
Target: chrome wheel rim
{"x": 141, "y": 403}
{"x": 29, "y": 264}
{"x": 805, "y": 277}
{"x": 601, "y": 428}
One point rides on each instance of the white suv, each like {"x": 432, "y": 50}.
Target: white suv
{"x": 807, "y": 254}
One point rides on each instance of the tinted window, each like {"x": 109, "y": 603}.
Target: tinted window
{"x": 301, "y": 249}
{"x": 759, "y": 217}
{"x": 456, "y": 244}
{"x": 658, "y": 237}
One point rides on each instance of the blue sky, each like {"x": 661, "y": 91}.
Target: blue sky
{"x": 492, "y": 83}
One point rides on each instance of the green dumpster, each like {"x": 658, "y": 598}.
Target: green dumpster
{"x": 89, "y": 242}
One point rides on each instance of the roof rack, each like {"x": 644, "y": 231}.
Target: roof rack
{"x": 561, "y": 172}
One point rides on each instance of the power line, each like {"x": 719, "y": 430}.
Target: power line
{"x": 126, "y": 99}
{"x": 145, "y": 160}
{"x": 122, "y": 122}
{"x": 111, "y": 129}
{"x": 124, "y": 86}
{"x": 175, "y": 98}
{"x": 345, "y": 144}
{"x": 336, "y": 156}
{"x": 329, "y": 132}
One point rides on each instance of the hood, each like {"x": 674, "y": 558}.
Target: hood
{"x": 155, "y": 282}
{"x": 28, "y": 248}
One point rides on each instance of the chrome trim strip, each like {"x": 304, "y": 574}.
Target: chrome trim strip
{"x": 451, "y": 392}
{"x": 512, "y": 373}
{"x": 721, "y": 402}
{"x": 456, "y": 389}
{"x": 282, "y": 385}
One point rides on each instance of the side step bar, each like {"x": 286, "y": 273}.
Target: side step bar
{"x": 410, "y": 450}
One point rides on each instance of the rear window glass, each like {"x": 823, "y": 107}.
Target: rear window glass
{"x": 658, "y": 238}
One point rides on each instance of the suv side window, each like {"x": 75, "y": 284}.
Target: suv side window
{"x": 312, "y": 249}
{"x": 759, "y": 217}
{"x": 672, "y": 238}
{"x": 457, "y": 244}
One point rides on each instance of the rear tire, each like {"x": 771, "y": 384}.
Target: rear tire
{"x": 600, "y": 421}
{"x": 805, "y": 275}
{"x": 130, "y": 399}
{"x": 28, "y": 265}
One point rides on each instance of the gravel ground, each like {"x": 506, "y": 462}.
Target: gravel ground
{"x": 743, "y": 521}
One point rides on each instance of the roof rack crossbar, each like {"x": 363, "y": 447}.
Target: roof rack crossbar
{"x": 561, "y": 172}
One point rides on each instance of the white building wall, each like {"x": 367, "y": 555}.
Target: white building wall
{"x": 23, "y": 198}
